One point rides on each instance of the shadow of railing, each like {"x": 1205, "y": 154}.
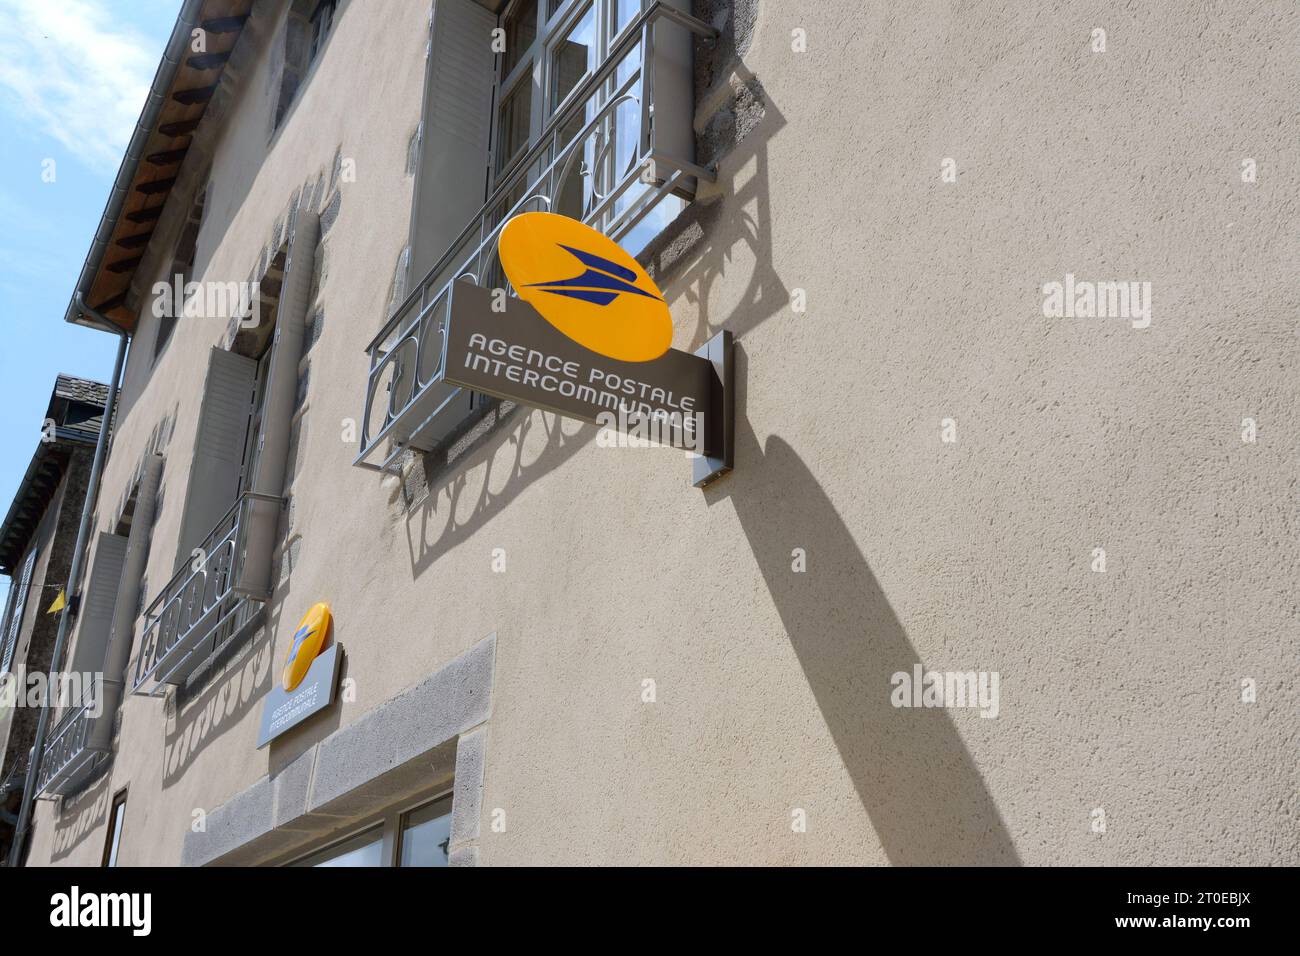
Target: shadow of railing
{"x": 235, "y": 679}
{"x": 694, "y": 255}
{"x": 79, "y": 816}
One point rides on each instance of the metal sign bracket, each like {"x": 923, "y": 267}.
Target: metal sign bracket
{"x": 708, "y": 468}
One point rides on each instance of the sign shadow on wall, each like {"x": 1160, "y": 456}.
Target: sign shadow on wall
{"x": 915, "y": 778}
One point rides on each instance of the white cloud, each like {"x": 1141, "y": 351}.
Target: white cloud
{"x": 74, "y": 71}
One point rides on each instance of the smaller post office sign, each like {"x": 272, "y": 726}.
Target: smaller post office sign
{"x": 285, "y": 709}
{"x": 310, "y": 676}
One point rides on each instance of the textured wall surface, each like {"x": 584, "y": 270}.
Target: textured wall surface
{"x": 879, "y": 309}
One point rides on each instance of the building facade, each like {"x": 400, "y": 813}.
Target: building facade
{"x": 992, "y": 581}
{"x": 37, "y": 541}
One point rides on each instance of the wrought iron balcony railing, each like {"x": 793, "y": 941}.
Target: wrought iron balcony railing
{"x": 79, "y": 740}
{"x": 610, "y": 133}
{"x": 200, "y": 608}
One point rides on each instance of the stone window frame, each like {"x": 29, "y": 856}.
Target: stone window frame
{"x": 184, "y": 257}
{"x": 300, "y": 44}
{"x": 430, "y": 736}
{"x": 390, "y": 822}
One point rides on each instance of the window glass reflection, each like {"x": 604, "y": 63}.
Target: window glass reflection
{"x": 115, "y": 840}
{"x": 426, "y": 835}
{"x": 624, "y": 12}
{"x": 364, "y": 849}
{"x": 573, "y": 57}
{"x": 516, "y": 112}
{"x": 521, "y": 31}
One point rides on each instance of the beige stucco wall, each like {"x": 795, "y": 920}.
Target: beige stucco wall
{"x": 1118, "y": 690}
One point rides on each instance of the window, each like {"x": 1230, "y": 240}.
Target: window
{"x": 624, "y": 12}
{"x": 516, "y": 76}
{"x": 573, "y": 58}
{"x": 5, "y": 621}
{"x": 254, "y": 430}
{"x": 182, "y": 270}
{"x": 301, "y": 42}
{"x": 426, "y": 835}
{"x": 20, "y": 588}
{"x": 418, "y": 837}
{"x": 166, "y": 326}
{"x": 116, "y": 817}
{"x": 364, "y": 849}
{"x": 520, "y": 26}
{"x": 549, "y": 54}
{"x": 513, "y": 123}
{"x": 321, "y": 21}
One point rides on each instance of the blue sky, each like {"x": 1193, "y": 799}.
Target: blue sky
{"x": 73, "y": 77}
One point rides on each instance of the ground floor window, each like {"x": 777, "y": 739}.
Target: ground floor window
{"x": 418, "y": 836}
{"x": 115, "y": 819}
{"x": 363, "y": 849}
{"x": 426, "y": 833}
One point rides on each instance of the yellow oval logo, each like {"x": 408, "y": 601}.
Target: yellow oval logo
{"x": 307, "y": 643}
{"x": 586, "y": 285}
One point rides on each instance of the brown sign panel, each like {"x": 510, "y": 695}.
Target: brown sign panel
{"x": 517, "y": 355}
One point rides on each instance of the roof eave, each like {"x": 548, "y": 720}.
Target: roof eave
{"x": 150, "y": 141}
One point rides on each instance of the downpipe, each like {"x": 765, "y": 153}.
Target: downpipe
{"x": 74, "y": 573}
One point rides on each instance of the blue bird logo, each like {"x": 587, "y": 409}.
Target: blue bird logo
{"x": 601, "y": 283}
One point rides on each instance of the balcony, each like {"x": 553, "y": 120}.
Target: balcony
{"x": 200, "y": 609}
{"x": 604, "y": 158}
{"x": 75, "y": 748}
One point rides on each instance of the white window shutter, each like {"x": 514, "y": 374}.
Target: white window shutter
{"x": 8, "y": 617}
{"x": 23, "y": 584}
{"x": 218, "y": 447}
{"x": 450, "y": 181}
{"x": 95, "y": 616}
{"x": 122, "y": 634}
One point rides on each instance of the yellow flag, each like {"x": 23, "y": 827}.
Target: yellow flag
{"x": 59, "y": 604}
